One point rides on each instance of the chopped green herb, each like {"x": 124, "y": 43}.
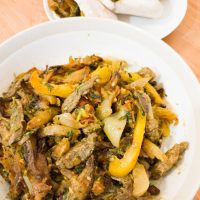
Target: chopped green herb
{"x": 117, "y": 151}
{"x": 133, "y": 95}
{"x": 68, "y": 73}
{"x": 128, "y": 114}
{"x": 49, "y": 86}
{"x": 69, "y": 135}
{"x": 21, "y": 152}
{"x": 31, "y": 132}
{"x": 93, "y": 65}
{"x": 83, "y": 107}
{"x": 58, "y": 178}
{"x": 65, "y": 193}
{"x": 57, "y": 139}
{"x": 130, "y": 75}
{"x": 4, "y": 173}
{"x": 78, "y": 88}
{"x": 78, "y": 169}
{"x": 143, "y": 113}
{"x": 123, "y": 117}
{"x": 94, "y": 96}
{"x": 48, "y": 197}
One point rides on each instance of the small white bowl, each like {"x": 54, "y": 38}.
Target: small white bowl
{"x": 173, "y": 14}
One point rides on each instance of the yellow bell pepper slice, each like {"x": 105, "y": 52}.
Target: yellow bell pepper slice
{"x": 49, "y": 88}
{"x": 19, "y": 76}
{"x": 152, "y": 91}
{"x": 164, "y": 128}
{"x": 104, "y": 74}
{"x": 41, "y": 118}
{"x": 166, "y": 114}
{"x": 153, "y": 151}
{"x": 61, "y": 148}
{"x": 122, "y": 167}
{"x": 129, "y": 77}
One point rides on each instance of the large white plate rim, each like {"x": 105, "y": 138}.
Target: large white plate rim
{"x": 185, "y": 74}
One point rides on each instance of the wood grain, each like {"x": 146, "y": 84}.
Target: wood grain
{"x": 17, "y": 15}
{"x": 185, "y": 39}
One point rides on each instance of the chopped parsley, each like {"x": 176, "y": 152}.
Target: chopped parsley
{"x": 31, "y": 132}
{"x": 126, "y": 116}
{"x": 49, "y": 86}
{"x": 70, "y": 135}
{"x": 94, "y": 96}
{"x": 78, "y": 169}
{"x": 130, "y": 75}
{"x": 65, "y": 193}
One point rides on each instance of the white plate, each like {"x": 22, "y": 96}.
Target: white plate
{"x": 52, "y": 43}
{"x": 173, "y": 14}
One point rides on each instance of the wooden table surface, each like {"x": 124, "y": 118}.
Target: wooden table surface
{"x": 17, "y": 15}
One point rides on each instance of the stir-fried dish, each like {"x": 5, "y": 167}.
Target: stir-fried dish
{"x": 65, "y": 8}
{"x": 85, "y": 130}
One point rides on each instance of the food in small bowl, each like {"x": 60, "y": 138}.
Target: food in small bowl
{"x": 86, "y": 130}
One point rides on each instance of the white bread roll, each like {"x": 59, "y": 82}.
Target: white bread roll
{"x": 144, "y": 8}
{"x": 94, "y": 8}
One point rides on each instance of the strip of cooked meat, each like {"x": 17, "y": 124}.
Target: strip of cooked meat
{"x": 31, "y": 100}
{"x": 58, "y": 130}
{"x": 14, "y": 165}
{"x": 146, "y": 72}
{"x": 25, "y": 93}
{"x": 151, "y": 131}
{"x": 113, "y": 81}
{"x": 16, "y": 84}
{"x": 76, "y": 64}
{"x": 18, "y": 186}
{"x": 77, "y": 76}
{"x": 72, "y": 100}
{"x": 79, "y": 186}
{"x": 2, "y": 107}
{"x": 91, "y": 128}
{"x": 37, "y": 172}
{"x": 73, "y": 77}
{"x": 126, "y": 191}
{"x": 174, "y": 155}
{"x": 145, "y": 102}
{"x": 14, "y": 87}
{"x": 79, "y": 153}
{"x": 107, "y": 196}
{"x": 41, "y": 118}
{"x": 91, "y": 61}
{"x": 16, "y": 121}
{"x": 138, "y": 84}
{"x": 4, "y": 131}
{"x": 101, "y": 145}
